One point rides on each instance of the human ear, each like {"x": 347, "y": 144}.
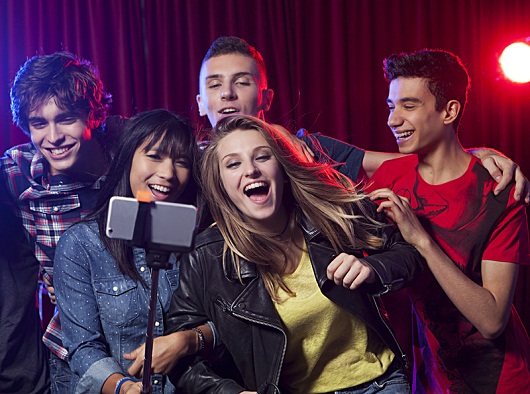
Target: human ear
{"x": 452, "y": 109}
{"x": 266, "y": 99}
{"x": 202, "y": 112}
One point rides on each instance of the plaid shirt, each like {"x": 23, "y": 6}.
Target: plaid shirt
{"x": 48, "y": 205}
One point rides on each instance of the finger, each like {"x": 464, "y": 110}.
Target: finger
{"x": 395, "y": 206}
{"x": 387, "y": 194}
{"x": 361, "y": 278}
{"x": 340, "y": 273}
{"x": 521, "y": 185}
{"x": 351, "y": 277}
{"x": 380, "y": 193}
{"x": 136, "y": 368}
{"x": 398, "y": 200}
{"x": 390, "y": 215}
{"x": 503, "y": 183}
{"x": 332, "y": 267}
{"x": 492, "y": 167}
{"x": 134, "y": 388}
{"x": 51, "y": 290}
{"x": 347, "y": 271}
{"x": 131, "y": 355}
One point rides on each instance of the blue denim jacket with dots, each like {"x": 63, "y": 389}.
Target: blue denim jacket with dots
{"x": 104, "y": 313}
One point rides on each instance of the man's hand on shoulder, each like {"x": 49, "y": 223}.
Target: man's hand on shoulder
{"x": 504, "y": 170}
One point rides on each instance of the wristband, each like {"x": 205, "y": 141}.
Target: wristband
{"x": 201, "y": 339}
{"x": 120, "y": 383}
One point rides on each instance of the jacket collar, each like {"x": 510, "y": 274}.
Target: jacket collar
{"x": 248, "y": 270}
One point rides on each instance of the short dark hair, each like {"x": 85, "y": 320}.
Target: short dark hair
{"x": 72, "y": 81}
{"x": 447, "y": 77}
{"x": 231, "y": 45}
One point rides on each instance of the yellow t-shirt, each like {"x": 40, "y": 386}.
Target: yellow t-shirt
{"x": 328, "y": 348}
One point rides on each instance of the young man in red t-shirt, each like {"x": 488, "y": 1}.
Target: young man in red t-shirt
{"x": 467, "y": 335}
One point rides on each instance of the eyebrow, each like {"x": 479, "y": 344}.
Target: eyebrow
{"x": 238, "y": 154}
{"x": 35, "y": 119}
{"x": 406, "y": 100}
{"x": 59, "y": 116}
{"x": 236, "y": 75}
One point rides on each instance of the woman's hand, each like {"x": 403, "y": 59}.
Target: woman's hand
{"x": 134, "y": 388}
{"x": 167, "y": 350}
{"x": 349, "y": 271}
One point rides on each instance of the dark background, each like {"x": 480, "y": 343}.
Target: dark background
{"x": 323, "y": 56}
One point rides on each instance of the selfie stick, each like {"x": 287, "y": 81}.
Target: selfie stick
{"x": 156, "y": 260}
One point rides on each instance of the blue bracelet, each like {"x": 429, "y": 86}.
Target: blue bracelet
{"x": 120, "y": 383}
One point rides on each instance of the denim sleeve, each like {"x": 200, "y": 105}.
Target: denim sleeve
{"x": 82, "y": 333}
{"x": 96, "y": 375}
{"x": 348, "y": 157}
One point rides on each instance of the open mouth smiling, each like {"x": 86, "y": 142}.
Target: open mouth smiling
{"x": 59, "y": 151}
{"x": 403, "y": 135}
{"x": 228, "y": 111}
{"x": 257, "y": 190}
{"x": 160, "y": 188}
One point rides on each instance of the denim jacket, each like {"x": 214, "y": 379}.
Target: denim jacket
{"x": 104, "y": 313}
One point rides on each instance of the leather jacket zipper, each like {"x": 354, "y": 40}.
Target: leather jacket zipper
{"x": 383, "y": 320}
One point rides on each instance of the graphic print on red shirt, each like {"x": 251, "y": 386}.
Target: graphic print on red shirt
{"x": 470, "y": 224}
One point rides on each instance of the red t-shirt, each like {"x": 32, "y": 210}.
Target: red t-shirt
{"x": 470, "y": 224}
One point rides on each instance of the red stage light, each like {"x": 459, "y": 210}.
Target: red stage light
{"x": 515, "y": 62}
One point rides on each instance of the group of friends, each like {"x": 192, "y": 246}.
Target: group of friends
{"x": 301, "y": 239}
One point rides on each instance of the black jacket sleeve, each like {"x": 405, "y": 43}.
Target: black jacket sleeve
{"x": 349, "y": 158}
{"x": 190, "y": 308}
{"x": 398, "y": 263}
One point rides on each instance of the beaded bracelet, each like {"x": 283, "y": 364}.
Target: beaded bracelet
{"x": 201, "y": 339}
{"x": 120, "y": 383}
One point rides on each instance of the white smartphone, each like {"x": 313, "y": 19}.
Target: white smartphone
{"x": 167, "y": 226}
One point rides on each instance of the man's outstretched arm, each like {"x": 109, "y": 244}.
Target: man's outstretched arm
{"x": 357, "y": 163}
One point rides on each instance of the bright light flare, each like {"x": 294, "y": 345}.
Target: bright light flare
{"x": 515, "y": 62}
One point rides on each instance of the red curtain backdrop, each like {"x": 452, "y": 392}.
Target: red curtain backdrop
{"x": 324, "y": 60}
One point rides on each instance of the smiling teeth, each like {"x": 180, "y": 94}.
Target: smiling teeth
{"x": 228, "y": 111}
{"x": 405, "y": 134}
{"x": 58, "y": 151}
{"x": 255, "y": 185}
{"x": 160, "y": 188}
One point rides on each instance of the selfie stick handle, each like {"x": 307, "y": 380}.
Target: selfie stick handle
{"x": 155, "y": 258}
